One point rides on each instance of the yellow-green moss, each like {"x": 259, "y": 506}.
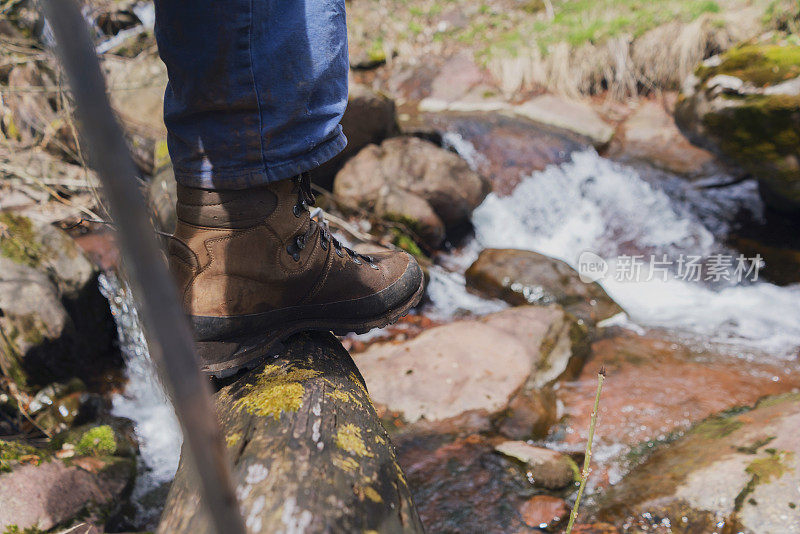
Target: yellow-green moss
{"x": 14, "y": 529}
{"x": 761, "y": 134}
{"x": 97, "y": 441}
{"x": 406, "y": 242}
{"x": 348, "y": 438}
{"x": 759, "y": 64}
{"x": 772, "y": 467}
{"x": 345, "y": 463}
{"x": 371, "y": 494}
{"x": 11, "y": 451}
{"x": 275, "y": 391}
{"x": 232, "y": 439}
{"x": 344, "y": 396}
{"x": 18, "y": 240}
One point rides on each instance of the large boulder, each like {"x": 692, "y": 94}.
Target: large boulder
{"x": 475, "y": 365}
{"x": 526, "y": 277}
{"x": 730, "y": 473}
{"x": 650, "y": 135}
{"x": 55, "y": 323}
{"x": 414, "y": 182}
{"x": 745, "y": 105}
{"x": 370, "y": 117}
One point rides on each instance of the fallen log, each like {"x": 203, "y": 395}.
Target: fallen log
{"x": 309, "y": 453}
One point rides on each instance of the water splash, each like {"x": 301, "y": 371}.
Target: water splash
{"x": 143, "y": 400}
{"x": 591, "y": 203}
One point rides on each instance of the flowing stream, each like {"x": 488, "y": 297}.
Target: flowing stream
{"x": 586, "y": 204}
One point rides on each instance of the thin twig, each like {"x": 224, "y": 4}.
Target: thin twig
{"x": 587, "y": 459}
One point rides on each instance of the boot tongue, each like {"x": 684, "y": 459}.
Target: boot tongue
{"x": 218, "y": 208}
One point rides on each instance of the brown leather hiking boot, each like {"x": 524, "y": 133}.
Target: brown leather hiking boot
{"x": 253, "y": 267}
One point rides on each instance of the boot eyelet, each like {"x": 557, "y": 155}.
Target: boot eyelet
{"x": 357, "y": 261}
{"x": 300, "y": 242}
{"x": 373, "y": 266}
{"x": 323, "y": 244}
{"x": 296, "y": 211}
{"x": 293, "y": 253}
{"x": 339, "y": 252}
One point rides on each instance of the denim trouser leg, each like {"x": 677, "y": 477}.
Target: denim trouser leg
{"x": 256, "y": 87}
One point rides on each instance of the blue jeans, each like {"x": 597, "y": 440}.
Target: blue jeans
{"x": 256, "y": 88}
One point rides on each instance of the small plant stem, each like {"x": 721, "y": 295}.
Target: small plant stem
{"x": 587, "y": 459}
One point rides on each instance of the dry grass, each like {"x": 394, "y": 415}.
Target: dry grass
{"x": 625, "y": 47}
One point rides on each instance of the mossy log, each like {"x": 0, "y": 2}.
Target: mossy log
{"x": 309, "y": 453}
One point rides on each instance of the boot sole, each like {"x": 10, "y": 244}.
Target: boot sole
{"x": 222, "y": 359}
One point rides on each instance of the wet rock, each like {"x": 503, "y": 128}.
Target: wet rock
{"x": 526, "y": 277}
{"x": 571, "y": 115}
{"x": 650, "y": 135}
{"x": 734, "y": 473}
{"x": 529, "y": 415}
{"x": 405, "y": 166}
{"x": 506, "y": 148}
{"x": 370, "y": 118}
{"x": 543, "y": 511}
{"x": 462, "y": 485}
{"x": 745, "y": 105}
{"x": 544, "y": 468}
{"x": 473, "y": 365}
{"x": 781, "y": 263}
{"x": 52, "y": 493}
{"x": 55, "y": 323}
{"x": 657, "y": 386}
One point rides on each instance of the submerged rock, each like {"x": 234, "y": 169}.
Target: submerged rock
{"x": 474, "y": 365}
{"x": 745, "y": 105}
{"x": 544, "y": 467}
{"x": 462, "y": 485}
{"x": 413, "y": 182}
{"x": 527, "y": 277}
{"x": 730, "y": 473}
{"x": 543, "y": 511}
{"x": 529, "y": 415}
{"x": 657, "y": 386}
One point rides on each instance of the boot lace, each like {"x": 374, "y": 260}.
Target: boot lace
{"x": 306, "y": 198}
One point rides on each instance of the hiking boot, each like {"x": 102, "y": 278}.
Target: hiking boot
{"x": 253, "y": 267}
